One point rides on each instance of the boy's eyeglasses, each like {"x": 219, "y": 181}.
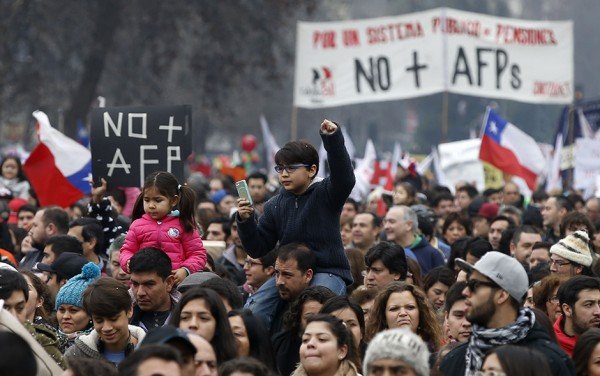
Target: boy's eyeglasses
{"x": 290, "y": 168}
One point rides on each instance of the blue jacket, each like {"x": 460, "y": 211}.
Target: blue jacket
{"x": 312, "y": 218}
{"x": 427, "y": 256}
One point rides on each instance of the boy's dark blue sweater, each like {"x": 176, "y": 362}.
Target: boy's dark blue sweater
{"x": 312, "y": 218}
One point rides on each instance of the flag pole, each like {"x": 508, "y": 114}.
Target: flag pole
{"x": 570, "y": 136}
{"x": 294, "y": 127}
{"x": 445, "y": 116}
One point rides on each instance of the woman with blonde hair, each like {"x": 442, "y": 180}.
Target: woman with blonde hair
{"x": 404, "y": 305}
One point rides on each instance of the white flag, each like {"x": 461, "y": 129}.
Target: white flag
{"x": 363, "y": 173}
{"x": 269, "y": 144}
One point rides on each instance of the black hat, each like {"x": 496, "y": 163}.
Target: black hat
{"x": 67, "y": 265}
{"x": 170, "y": 335}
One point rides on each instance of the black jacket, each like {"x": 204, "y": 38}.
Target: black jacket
{"x": 454, "y": 362}
{"x": 312, "y": 217}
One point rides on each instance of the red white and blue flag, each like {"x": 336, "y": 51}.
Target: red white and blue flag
{"x": 59, "y": 168}
{"x": 511, "y": 150}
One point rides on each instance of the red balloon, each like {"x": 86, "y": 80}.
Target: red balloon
{"x": 248, "y": 142}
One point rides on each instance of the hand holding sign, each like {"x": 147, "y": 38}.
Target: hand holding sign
{"x": 128, "y": 143}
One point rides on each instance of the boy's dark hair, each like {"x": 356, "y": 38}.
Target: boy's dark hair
{"x": 568, "y": 292}
{"x": 118, "y": 195}
{"x": 226, "y": 289}
{"x": 524, "y": 229}
{"x": 376, "y": 220}
{"x": 268, "y": 259}
{"x": 441, "y": 197}
{"x": 491, "y": 191}
{"x": 257, "y": 175}
{"x": 64, "y": 243}
{"x": 454, "y": 295}
{"x": 391, "y": 255}
{"x": 57, "y": 216}
{"x": 478, "y": 247}
{"x": 106, "y": 297}
{"x": 167, "y": 184}
{"x": 151, "y": 260}
{"x": 91, "y": 229}
{"x": 354, "y": 203}
{"x": 563, "y": 203}
{"x": 27, "y": 208}
{"x": 539, "y": 196}
{"x": 303, "y": 255}
{"x": 245, "y": 365}
{"x": 129, "y": 366}
{"x": 80, "y": 366}
{"x": 225, "y": 225}
{"x": 298, "y": 152}
{"x": 511, "y": 223}
{"x": 11, "y": 281}
{"x": 469, "y": 190}
{"x": 545, "y": 245}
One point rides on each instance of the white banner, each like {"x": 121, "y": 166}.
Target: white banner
{"x": 587, "y": 164}
{"x": 390, "y": 58}
{"x": 459, "y": 161}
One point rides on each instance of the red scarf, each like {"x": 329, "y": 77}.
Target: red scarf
{"x": 565, "y": 341}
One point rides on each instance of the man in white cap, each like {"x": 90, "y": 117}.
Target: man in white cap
{"x": 572, "y": 255}
{"x": 496, "y": 288}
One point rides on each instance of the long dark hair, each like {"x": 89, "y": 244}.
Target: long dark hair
{"x": 293, "y": 317}
{"x": 20, "y": 173}
{"x": 167, "y": 185}
{"x": 341, "y": 333}
{"x": 258, "y": 337}
{"x": 521, "y": 361}
{"x": 583, "y": 350}
{"x": 223, "y": 341}
{"x": 45, "y": 310}
{"x": 343, "y": 302}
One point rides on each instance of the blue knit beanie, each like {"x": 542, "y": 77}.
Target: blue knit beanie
{"x": 72, "y": 292}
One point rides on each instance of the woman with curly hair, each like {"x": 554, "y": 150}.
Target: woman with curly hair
{"x": 404, "y": 305}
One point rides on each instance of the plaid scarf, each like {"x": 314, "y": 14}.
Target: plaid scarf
{"x": 483, "y": 339}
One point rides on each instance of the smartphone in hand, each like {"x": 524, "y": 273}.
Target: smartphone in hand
{"x": 243, "y": 191}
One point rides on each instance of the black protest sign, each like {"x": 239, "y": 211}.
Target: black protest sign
{"x": 129, "y": 143}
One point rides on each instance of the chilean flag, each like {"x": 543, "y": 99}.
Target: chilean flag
{"x": 511, "y": 150}
{"x": 59, "y": 168}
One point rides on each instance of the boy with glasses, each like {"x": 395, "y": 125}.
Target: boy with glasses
{"x": 306, "y": 210}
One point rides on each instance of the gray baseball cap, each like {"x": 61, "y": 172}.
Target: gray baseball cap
{"x": 505, "y": 271}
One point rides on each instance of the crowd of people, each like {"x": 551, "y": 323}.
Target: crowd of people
{"x": 187, "y": 278}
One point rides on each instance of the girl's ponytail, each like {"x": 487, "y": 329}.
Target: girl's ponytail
{"x": 187, "y": 207}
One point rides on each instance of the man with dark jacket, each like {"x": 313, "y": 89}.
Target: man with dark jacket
{"x": 495, "y": 290}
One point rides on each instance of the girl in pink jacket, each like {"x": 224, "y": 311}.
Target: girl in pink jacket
{"x": 163, "y": 217}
